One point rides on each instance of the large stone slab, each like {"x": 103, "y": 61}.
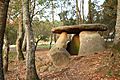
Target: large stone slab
{"x": 90, "y": 42}
{"x": 73, "y": 45}
{"x": 76, "y": 29}
{"x": 58, "y": 53}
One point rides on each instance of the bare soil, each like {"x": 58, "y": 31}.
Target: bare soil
{"x": 98, "y": 66}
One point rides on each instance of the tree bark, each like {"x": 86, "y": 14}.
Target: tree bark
{"x": 31, "y": 73}
{"x": 53, "y": 21}
{"x": 81, "y": 21}
{"x": 90, "y": 12}
{"x": 78, "y": 13}
{"x": 83, "y": 10}
{"x": 24, "y": 43}
{"x": 6, "y": 52}
{"x": 117, "y": 27}
{"x": 51, "y": 39}
{"x": 52, "y": 35}
{"x": 19, "y": 40}
{"x": 36, "y": 43}
{"x": 3, "y": 16}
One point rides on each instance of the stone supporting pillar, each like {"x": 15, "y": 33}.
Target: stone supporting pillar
{"x": 73, "y": 45}
{"x": 90, "y": 42}
{"x": 59, "y": 54}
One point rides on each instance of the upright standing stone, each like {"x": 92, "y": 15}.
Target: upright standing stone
{"x": 73, "y": 45}
{"x": 59, "y": 54}
{"x": 90, "y": 42}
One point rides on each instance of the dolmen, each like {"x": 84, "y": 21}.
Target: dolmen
{"x": 85, "y": 40}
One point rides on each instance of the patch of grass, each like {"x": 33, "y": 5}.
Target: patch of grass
{"x": 43, "y": 46}
{"x": 117, "y": 46}
{"x": 110, "y": 73}
{"x": 12, "y": 55}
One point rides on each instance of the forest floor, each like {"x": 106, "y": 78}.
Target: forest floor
{"x": 98, "y": 66}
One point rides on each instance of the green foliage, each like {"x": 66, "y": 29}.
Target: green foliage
{"x": 64, "y": 18}
{"x": 109, "y": 14}
{"x": 71, "y": 21}
{"x": 12, "y": 22}
{"x": 95, "y": 13}
{"x": 11, "y": 32}
{"x": 105, "y": 14}
{"x": 63, "y": 15}
{"x": 12, "y": 56}
{"x": 41, "y": 2}
{"x": 41, "y": 29}
{"x": 14, "y": 8}
{"x": 45, "y": 37}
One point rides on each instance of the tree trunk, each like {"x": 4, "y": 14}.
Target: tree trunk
{"x": 36, "y": 44}
{"x": 24, "y": 43}
{"x": 54, "y": 35}
{"x": 3, "y": 16}
{"x": 117, "y": 27}
{"x": 62, "y": 16}
{"x": 6, "y": 52}
{"x": 81, "y": 21}
{"x": 78, "y": 13}
{"x": 83, "y": 10}
{"x": 31, "y": 73}
{"x": 51, "y": 39}
{"x": 19, "y": 40}
{"x": 90, "y": 12}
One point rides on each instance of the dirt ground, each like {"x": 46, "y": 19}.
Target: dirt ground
{"x": 98, "y": 66}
